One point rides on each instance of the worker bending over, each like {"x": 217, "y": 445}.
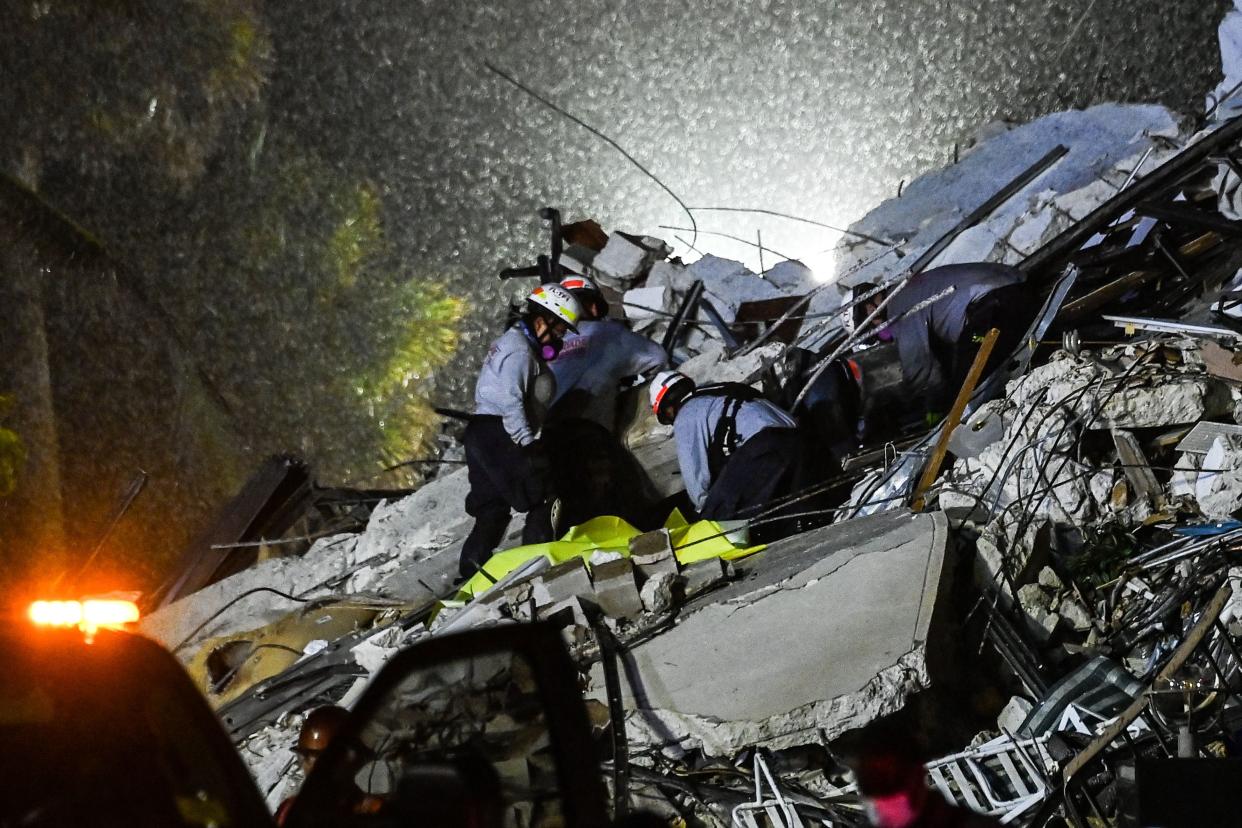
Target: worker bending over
{"x": 938, "y": 343}
{"x": 597, "y": 474}
{"x": 507, "y": 463}
{"x": 737, "y": 452}
{"x": 594, "y": 361}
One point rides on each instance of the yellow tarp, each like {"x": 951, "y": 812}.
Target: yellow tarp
{"x": 691, "y": 542}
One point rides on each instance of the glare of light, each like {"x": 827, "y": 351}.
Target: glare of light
{"x": 823, "y": 264}
{"x": 107, "y": 613}
{"x": 824, "y": 256}
{"x": 56, "y": 613}
{"x": 90, "y": 615}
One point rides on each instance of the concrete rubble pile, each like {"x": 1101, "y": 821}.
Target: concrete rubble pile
{"x": 1071, "y": 573}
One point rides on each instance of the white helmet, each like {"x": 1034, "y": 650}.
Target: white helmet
{"x": 588, "y": 293}
{"x": 667, "y": 387}
{"x": 575, "y": 282}
{"x": 556, "y": 301}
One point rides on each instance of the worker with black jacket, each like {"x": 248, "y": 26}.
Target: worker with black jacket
{"x": 937, "y": 343}
{"x": 738, "y": 452}
{"x": 599, "y": 476}
{"x": 508, "y": 465}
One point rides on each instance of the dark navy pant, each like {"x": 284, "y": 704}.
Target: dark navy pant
{"x": 503, "y": 477}
{"x": 772, "y": 464}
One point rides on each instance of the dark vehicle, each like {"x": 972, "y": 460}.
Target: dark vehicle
{"x": 472, "y": 729}
{"x": 112, "y": 733}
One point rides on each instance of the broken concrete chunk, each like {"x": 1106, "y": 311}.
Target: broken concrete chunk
{"x": 1049, "y": 579}
{"x": 703, "y": 575}
{"x": 616, "y": 590}
{"x": 1021, "y": 558}
{"x": 625, "y": 259}
{"x": 1218, "y": 491}
{"x": 657, "y": 592}
{"x": 652, "y": 552}
{"x": 1076, "y": 614}
{"x": 648, "y": 302}
{"x": 1034, "y": 597}
{"x": 561, "y": 582}
{"x": 603, "y": 556}
{"x": 1014, "y": 714}
{"x": 727, "y": 284}
{"x": 1036, "y": 604}
{"x": 673, "y": 275}
{"x": 790, "y": 276}
{"x": 1178, "y": 398}
{"x": 568, "y": 613}
{"x": 713, "y": 366}
{"x": 650, "y": 546}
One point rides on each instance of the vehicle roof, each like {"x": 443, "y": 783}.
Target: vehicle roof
{"x": 67, "y": 701}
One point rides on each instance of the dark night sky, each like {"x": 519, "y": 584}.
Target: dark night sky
{"x": 814, "y": 108}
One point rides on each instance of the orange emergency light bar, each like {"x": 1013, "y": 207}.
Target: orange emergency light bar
{"x": 89, "y": 615}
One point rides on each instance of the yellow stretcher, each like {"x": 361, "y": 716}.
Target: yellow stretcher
{"x": 691, "y": 542}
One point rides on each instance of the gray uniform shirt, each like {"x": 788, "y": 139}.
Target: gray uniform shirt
{"x": 942, "y": 321}
{"x": 592, "y": 364}
{"x": 695, "y": 425}
{"x": 515, "y": 385}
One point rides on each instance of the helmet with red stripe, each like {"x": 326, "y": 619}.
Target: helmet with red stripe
{"x": 587, "y": 292}
{"x": 667, "y": 391}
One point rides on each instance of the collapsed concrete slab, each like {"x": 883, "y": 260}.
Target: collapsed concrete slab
{"x": 1106, "y": 142}
{"x": 825, "y": 632}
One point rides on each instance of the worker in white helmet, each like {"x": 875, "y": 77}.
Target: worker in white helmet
{"x": 737, "y": 451}
{"x": 508, "y": 465}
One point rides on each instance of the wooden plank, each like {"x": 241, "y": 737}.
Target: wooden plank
{"x": 1220, "y": 361}
{"x": 1182, "y": 215}
{"x": 951, "y": 422}
{"x": 1200, "y": 630}
{"x": 1110, "y": 292}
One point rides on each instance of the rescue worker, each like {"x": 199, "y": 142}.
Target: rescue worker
{"x": 319, "y": 728}
{"x": 937, "y": 344}
{"x": 892, "y": 782}
{"x": 597, "y": 475}
{"x": 507, "y": 462}
{"x": 594, "y": 361}
{"x": 737, "y": 451}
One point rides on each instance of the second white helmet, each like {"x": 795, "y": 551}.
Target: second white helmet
{"x": 668, "y": 387}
